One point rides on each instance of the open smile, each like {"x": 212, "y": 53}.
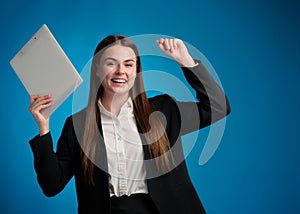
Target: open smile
{"x": 119, "y": 80}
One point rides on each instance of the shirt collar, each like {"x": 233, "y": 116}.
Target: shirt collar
{"x": 127, "y": 107}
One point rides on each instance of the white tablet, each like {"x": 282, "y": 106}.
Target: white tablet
{"x": 44, "y": 68}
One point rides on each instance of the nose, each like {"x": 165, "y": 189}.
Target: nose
{"x": 120, "y": 69}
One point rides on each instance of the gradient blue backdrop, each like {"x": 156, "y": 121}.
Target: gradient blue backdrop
{"x": 254, "y": 47}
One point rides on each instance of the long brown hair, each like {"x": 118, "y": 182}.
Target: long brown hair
{"x": 155, "y": 135}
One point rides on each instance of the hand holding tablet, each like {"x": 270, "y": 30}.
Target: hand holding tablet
{"x": 44, "y": 68}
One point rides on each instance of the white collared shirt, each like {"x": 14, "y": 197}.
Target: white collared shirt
{"x": 124, "y": 151}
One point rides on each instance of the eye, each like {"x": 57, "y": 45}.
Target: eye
{"x": 129, "y": 64}
{"x": 110, "y": 64}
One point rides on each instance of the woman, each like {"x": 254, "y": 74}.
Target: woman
{"x": 126, "y": 157}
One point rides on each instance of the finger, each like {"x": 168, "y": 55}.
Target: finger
{"x": 39, "y": 102}
{"x": 40, "y": 106}
{"x": 44, "y": 106}
{"x": 36, "y": 111}
{"x": 164, "y": 44}
{"x": 33, "y": 98}
{"x": 175, "y": 43}
{"x": 160, "y": 44}
{"x": 172, "y": 44}
{"x": 38, "y": 97}
{"x": 167, "y": 44}
{"x": 44, "y": 100}
{"x": 161, "y": 40}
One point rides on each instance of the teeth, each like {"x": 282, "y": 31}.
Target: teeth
{"x": 119, "y": 80}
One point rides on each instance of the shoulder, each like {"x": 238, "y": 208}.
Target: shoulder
{"x": 164, "y": 103}
{"x": 80, "y": 115}
{"x": 73, "y": 129}
{"x": 161, "y": 100}
{"x": 75, "y": 122}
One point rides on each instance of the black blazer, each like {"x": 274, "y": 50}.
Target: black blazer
{"x": 172, "y": 192}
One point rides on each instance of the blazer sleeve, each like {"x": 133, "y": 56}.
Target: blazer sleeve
{"x": 54, "y": 169}
{"x": 211, "y": 105}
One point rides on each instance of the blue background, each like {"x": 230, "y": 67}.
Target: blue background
{"x": 254, "y": 47}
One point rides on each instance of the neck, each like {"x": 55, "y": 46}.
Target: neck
{"x": 114, "y": 103}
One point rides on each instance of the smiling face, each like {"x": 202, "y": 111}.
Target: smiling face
{"x": 117, "y": 70}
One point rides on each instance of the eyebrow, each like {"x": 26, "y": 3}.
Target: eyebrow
{"x": 111, "y": 58}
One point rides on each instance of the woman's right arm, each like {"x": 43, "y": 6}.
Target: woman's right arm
{"x": 53, "y": 169}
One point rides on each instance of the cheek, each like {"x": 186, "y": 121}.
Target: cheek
{"x": 132, "y": 79}
{"x": 103, "y": 73}
{"x": 131, "y": 73}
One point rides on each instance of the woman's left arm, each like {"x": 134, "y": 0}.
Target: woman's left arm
{"x": 212, "y": 104}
